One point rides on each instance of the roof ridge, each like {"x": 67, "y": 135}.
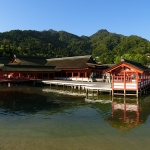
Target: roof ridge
{"x": 62, "y": 58}
{"x": 127, "y": 60}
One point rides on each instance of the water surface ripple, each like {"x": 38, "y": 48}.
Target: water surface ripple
{"x": 31, "y": 118}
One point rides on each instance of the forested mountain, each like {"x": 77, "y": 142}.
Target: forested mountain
{"x": 104, "y": 46}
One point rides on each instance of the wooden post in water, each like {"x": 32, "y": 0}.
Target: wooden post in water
{"x": 97, "y": 93}
{"x": 80, "y": 89}
{"x": 137, "y": 93}
{"x": 72, "y": 88}
{"x": 8, "y": 84}
{"x": 124, "y": 93}
{"x": 112, "y": 92}
{"x": 93, "y": 94}
{"x": 86, "y": 93}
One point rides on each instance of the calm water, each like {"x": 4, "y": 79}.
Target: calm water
{"x": 33, "y": 118}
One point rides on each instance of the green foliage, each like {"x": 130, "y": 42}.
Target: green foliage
{"x": 112, "y": 47}
{"x": 104, "y": 46}
{"x": 45, "y": 43}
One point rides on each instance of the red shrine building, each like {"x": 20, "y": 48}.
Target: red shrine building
{"x": 77, "y": 68}
{"x": 128, "y": 78}
{"x": 33, "y": 68}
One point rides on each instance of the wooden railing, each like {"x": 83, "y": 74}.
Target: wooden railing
{"x": 120, "y": 79}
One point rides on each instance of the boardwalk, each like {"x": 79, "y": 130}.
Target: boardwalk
{"x": 102, "y": 86}
{"x": 88, "y": 86}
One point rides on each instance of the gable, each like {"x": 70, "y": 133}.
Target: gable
{"x": 124, "y": 66}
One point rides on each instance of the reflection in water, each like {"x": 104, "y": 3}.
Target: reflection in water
{"x": 128, "y": 114}
{"x": 33, "y": 100}
{"x": 32, "y": 118}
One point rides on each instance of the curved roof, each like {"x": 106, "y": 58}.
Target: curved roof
{"x": 27, "y": 68}
{"x": 5, "y": 60}
{"x": 28, "y": 61}
{"x": 71, "y": 62}
{"x": 136, "y": 65}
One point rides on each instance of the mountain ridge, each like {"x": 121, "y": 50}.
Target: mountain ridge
{"x": 104, "y": 46}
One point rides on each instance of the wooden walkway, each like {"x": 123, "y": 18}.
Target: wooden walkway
{"x": 102, "y": 86}
{"x": 88, "y": 86}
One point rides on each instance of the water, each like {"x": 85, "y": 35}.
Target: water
{"x": 33, "y": 118}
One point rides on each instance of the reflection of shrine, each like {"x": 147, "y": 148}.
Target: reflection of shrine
{"x": 127, "y": 115}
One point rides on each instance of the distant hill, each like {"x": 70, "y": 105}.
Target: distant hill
{"x": 104, "y": 46}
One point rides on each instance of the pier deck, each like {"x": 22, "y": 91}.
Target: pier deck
{"x": 93, "y": 86}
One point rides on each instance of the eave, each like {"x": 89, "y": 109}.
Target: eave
{"x": 125, "y": 64}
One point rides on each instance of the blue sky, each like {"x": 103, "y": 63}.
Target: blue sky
{"x": 80, "y": 17}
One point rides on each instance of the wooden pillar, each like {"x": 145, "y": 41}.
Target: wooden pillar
{"x": 97, "y": 93}
{"x": 137, "y": 85}
{"x": 124, "y": 82}
{"x": 93, "y": 94}
{"x": 27, "y": 75}
{"x": 85, "y": 74}
{"x": 36, "y": 75}
{"x": 86, "y": 93}
{"x": 71, "y": 88}
{"x": 8, "y": 84}
{"x": 21, "y": 75}
{"x": 80, "y": 89}
{"x": 124, "y": 93}
{"x": 137, "y": 93}
{"x": 124, "y": 109}
{"x": 78, "y": 74}
{"x": 112, "y": 85}
{"x": 32, "y": 75}
{"x": 112, "y": 108}
{"x": 112, "y": 92}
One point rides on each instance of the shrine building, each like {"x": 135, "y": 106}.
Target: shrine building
{"x": 77, "y": 68}
{"x": 128, "y": 78}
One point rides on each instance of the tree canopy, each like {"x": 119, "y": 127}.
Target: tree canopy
{"x": 105, "y": 47}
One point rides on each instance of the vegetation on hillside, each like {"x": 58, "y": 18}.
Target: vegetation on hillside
{"x": 105, "y": 47}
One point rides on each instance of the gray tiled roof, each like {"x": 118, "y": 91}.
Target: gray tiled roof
{"x": 5, "y": 60}
{"x": 22, "y": 63}
{"x": 27, "y": 68}
{"x": 71, "y": 62}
